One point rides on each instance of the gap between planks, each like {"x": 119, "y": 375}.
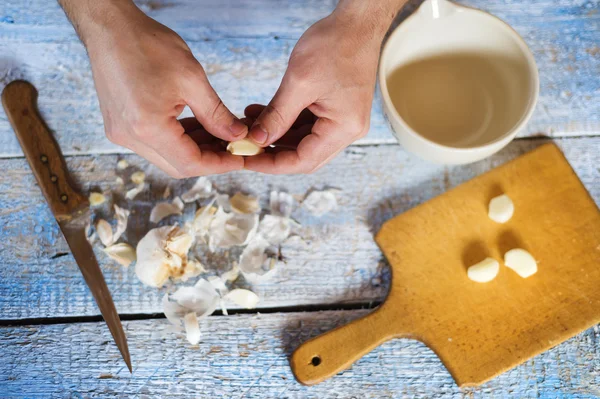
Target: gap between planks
{"x": 152, "y": 316}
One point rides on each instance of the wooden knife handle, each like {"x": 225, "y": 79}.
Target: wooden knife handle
{"x": 19, "y": 99}
{"x": 328, "y": 354}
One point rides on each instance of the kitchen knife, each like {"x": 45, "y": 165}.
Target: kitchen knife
{"x": 70, "y": 208}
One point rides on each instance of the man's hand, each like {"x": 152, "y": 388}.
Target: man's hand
{"x": 332, "y": 73}
{"x": 145, "y": 74}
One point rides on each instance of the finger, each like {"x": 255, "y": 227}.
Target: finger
{"x": 253, "y": 111}
{"x": 180, "y": 150}
{"x": 316, "y": 149}
{"x": 210, "y": 111}
{"x": 281, "y": 113}
{"x": 154, "y": 158}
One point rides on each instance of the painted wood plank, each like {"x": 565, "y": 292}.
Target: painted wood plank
{"x": 340, "y": 263}
{"x": 245, "y": 356}
{"x": 245, "y": 61}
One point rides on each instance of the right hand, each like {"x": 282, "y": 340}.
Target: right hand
{"x": 145, "y": 74}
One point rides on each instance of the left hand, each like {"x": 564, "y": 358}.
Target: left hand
{"x": 332, "y": 73}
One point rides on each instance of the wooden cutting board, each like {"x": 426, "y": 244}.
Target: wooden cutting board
{"x": 481, "y": 330}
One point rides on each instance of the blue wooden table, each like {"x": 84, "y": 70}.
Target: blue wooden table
{"x": 52, "y": 340}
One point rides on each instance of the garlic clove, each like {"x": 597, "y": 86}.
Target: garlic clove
{"x": 244, "y": 147}
{"x": 123, "y": 253}
{"x": 231, "y": 275}
{"x": 97, "y": 199}
{"x": 243, "y": 298}
{"x": 484, "y": 271}
{"x": 192, "y": 328}
{"x": 521, "y": 261}
{"x": 501, "y": 209}
{"x": 202, "y": 298}
{"x": 138, "y": 177}
{"x": 122, "y": 164}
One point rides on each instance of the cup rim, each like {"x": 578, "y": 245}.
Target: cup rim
{"x": 390, "y": 108}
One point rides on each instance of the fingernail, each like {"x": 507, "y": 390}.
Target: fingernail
{"x": 237, "y": 127}
{"x": 258, "y": 134}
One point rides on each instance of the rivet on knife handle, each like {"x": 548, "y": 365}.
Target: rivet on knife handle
{"x": 19, "y": 99}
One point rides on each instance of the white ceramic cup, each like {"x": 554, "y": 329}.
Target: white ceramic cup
{"x": 457, "y": 83}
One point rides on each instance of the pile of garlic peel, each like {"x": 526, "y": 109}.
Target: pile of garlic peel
{"x": 501, "y": 209}
{"x": 166, "y": 253}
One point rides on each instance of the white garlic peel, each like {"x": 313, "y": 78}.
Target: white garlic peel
{"x": 202, "y": 188}
{"x": 319, "y": 203}
{"x": 192, "y": 328}
{"x": 161, "y": 254}
{"x": 244, "y": 147}
{"x": 484, "y": 271}
{"x": 521, "y": 261}
{"x": 241, "y": 203}
{"x": 501, "y": 209}
{"x": 105, "y": 232}
{"x": 164, "y": 209}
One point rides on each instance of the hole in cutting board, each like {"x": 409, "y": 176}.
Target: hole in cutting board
{"x": 315, "y": 361}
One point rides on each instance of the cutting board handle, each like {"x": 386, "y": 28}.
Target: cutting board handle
{"x": 19, "y": 99}
{"x": 328, "y": 354}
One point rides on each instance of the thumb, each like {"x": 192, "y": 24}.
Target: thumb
{"x": 279, "y": 116}
{"x": 210, "y": 111}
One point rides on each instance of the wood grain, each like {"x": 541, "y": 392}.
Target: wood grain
{"x": 340, "y": 264}
{"x": 245, "y": 52}
{"x": 480, "y": 330}
{"x": 245, "y": 356}
{"x": 19, "y": 99}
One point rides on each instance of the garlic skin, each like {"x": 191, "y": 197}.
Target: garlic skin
{"x": 244, "y": 147}
{"x": 122, "y": 164}
{"x": 202, "y": 188}
{"x": 318, "y": 203}
{"x": 161, "y": 254}
{"x": 164, "y": 209}
{"x": 501, "y": 209}
{"x": 105, "y": 233}
{"x": 241, "y": 203}
{"x": 484, "y": 271}
{"x": 192, "y": 328}
{"x": 521, "y": 261}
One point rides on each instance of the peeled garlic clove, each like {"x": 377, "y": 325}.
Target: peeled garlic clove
{"x": 97, "y": 199}
{"x": 123, "y": 253}
{"x": 192, "y": 328}
{"x": 138, "y": 177}
{"x": 243, "y": 298}
{"x": 122, "y": 164}
{"x": 244, "y": 147}
{"x": 484, "y": 271}
{"x": 244, "y": 203}
{"x": 501, "y": 209}
{"x": 105, "y": 232}
{"x": 521, "y": 261}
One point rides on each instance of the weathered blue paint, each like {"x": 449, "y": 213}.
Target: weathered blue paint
{"x": 246, "y": 357}
{"x": 340, "y": 249}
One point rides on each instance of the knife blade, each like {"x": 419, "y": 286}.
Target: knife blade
{"x": 70, "y": 208}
